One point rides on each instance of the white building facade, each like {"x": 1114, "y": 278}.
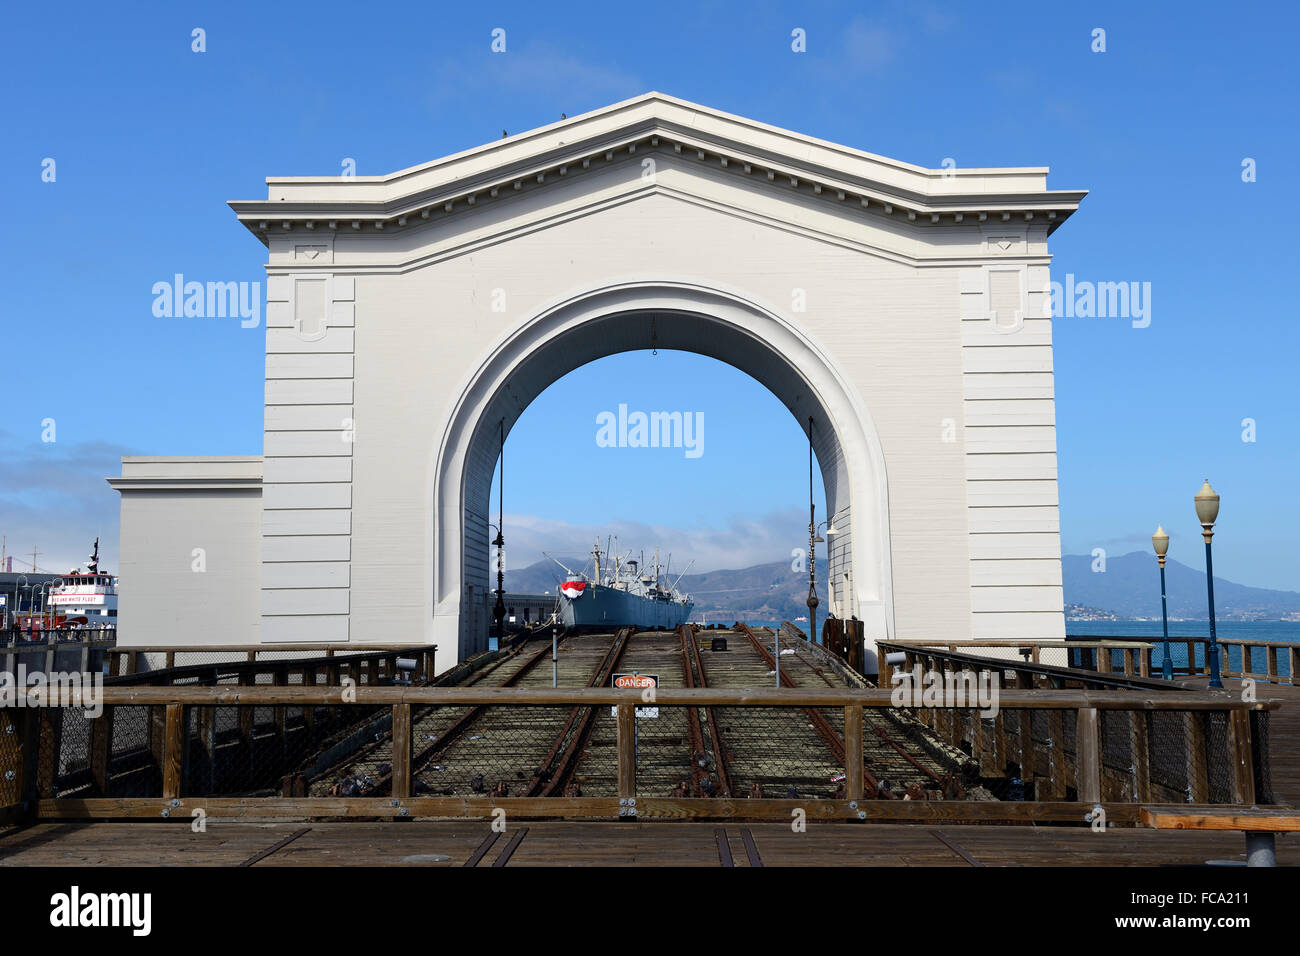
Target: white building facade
{"x": 411, "y": 317}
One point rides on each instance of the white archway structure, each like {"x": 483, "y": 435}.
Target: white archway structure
{"x": 643, "y": 314}
{"x": 905, "y": 310}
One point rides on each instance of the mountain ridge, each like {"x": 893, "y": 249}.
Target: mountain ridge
{"x": 1128, "y": 589}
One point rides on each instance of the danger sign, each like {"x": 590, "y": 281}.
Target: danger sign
{"x": 641, "y": 682}
{"x": 635, "y": 681}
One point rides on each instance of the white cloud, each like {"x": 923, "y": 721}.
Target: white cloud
{"x": 53, "y": 497}
{"x": 740, "y": 543}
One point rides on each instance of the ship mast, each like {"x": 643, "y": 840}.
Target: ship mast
{"x": 595, "y": 554}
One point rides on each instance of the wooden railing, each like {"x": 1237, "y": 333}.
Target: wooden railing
{"x": 1275, "y": 653}
{"x": 46, "y": 774}
{"x": 1148, "y": 756}
{"x": 130, "y": 660}
{"x": 360, "y": 664}
{"x": 1131, "y": 674}
{"x": 1281, "y": 659}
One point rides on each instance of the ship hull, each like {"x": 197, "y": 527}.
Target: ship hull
{"x": 606, "y": 608}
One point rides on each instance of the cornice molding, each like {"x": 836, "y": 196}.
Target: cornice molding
{"x": 548, "y": 165}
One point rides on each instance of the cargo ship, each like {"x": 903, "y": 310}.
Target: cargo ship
{"x": 620, "y": 593}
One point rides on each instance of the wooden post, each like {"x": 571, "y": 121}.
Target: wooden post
{"x": 853, "y": 757}
{"x": 206, "y": 721}
{"x": 1104, "y": 663}
{"x": 309, "y": 709}
{"x": 1198, "y": 772}
{"x": 171, "y": 658}
{"x": 1270, "y": 652}
{"x": 101, "y": 747}
{"x": 1056, "y": 755}
{"x": 1192, "y": 667}
{"x": 280, "y": 679}
{"x": 1088, "y": 755}
{"x": 173, "y": 744}
{"x": 1144, "y": 661}
{"x": 1141, "y": 756}
{"x": 1243, "y": 763}
{"x": 626, "y": 750}
{"x": 14, "y": 749}
{"x": 1294, "y": 653}
{"x": 401, "y": 751}
{"x": 158, "y": 736}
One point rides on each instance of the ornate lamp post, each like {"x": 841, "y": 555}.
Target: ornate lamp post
{"x": 1160, "y": 541}
{"x": 1207, "y": 511}
{"x": 813, "y": 539}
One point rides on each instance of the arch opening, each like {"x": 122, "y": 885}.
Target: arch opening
{"x": 637, "y": 316}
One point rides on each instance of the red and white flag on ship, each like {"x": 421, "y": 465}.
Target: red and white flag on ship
{"x": 573, "y": 589}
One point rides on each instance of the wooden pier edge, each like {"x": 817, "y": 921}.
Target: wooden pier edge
{"x": 606, "y": 808}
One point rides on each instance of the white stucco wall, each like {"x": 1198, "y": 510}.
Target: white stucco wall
{"x": 171, "y": 508}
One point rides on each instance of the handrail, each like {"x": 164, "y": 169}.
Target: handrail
{"x": 1057, "y": 674}
{"x": 264, "y": 695}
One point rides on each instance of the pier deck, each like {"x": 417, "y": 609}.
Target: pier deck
{"x": 586, "y": 758}
{"x": 553, "y": 843}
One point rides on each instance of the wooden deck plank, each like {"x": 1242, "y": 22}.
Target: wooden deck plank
{"x": 554, "y": 843}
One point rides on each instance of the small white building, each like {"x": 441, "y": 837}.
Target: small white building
{"x": 904, "y": 310}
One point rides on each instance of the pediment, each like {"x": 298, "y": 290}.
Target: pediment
{"x": 643, "y": 128}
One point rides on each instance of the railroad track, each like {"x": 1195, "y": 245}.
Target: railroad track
{"x": 571, "y": 751}
{"x": 896, "y": 761}
{"x": 367, "y": 770}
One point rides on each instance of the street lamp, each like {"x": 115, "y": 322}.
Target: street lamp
{"x": 1160, "y": 541}
{"x": 814, "y": 539}
{"x": 1207, "y": 510}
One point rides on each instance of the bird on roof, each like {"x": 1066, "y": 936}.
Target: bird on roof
{"x": 477, "y": 784}
{"x": 573, "y": 790}
{"x": 678, "y": 792}
{"x": 501, "y": 790}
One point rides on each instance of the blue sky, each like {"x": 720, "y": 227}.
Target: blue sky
{"x": 151, "y": 139}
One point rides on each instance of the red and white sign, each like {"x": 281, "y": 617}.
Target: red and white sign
{"x": 573, "y": 589}
{"x": 641, "y": 682}
{"x": 76, "y": 599}
{"x": 635, "y": 681}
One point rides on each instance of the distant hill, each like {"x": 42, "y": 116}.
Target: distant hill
{"x": 1130, "y": 588}
{"x": 759, "y": 593}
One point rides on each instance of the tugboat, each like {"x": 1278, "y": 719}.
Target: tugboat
{"x": 86, "y": 599}
{"x": 621, "y": 596}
